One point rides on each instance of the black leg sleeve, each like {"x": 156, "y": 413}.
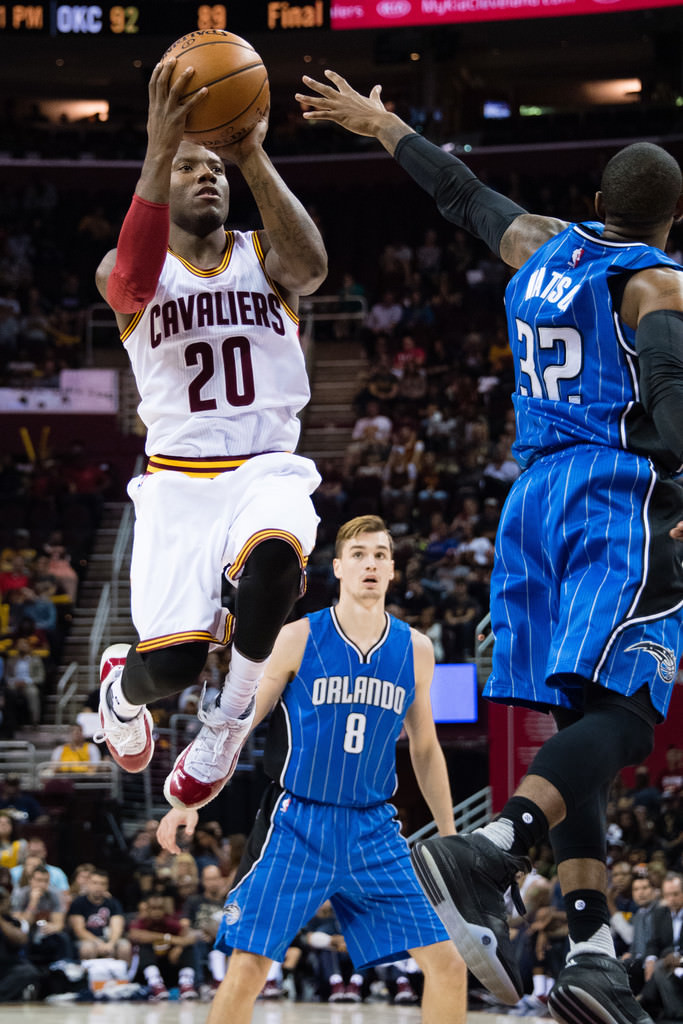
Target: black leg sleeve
{"x": 149, "y": 677}
{"x": 267, "y": 590}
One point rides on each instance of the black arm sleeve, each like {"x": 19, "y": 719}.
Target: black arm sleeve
{"x": 460, "y": 196}
{"x": 659, "y": 343}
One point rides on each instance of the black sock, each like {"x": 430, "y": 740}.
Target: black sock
{"x": 528, "y": 821}
{"x": 586, "y": 913}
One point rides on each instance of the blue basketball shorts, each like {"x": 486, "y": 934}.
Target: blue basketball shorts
{"x": 300, "y": 854}
{"x": 587, "y": 584}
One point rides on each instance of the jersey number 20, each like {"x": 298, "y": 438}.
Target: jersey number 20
{"x": 237, "y": 371}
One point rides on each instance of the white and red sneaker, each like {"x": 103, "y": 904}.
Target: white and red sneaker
{"x": 187, "y": 991}
{"x": 337, "y": 992}
{"x": 404, "y": 992}
{"x": 206, "y": 764}
{"x": 271, "y": 990}
{"x": 158, "y": 992}
{"x": 130, "y": 743}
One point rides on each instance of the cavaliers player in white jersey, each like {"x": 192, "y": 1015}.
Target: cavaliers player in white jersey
{"x": 209, "y": 319}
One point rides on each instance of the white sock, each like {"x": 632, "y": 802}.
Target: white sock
{"x": 275, "y": 972}
{"x": 186, "y": 976}
{"x": 540, "y": 984}
{"x": 356, "y": 979}
{"x": 600, "y": 941}
{"x": 334, "y": 979}
{"x": 122, "y": 708}
{"x": 501, "y": 832}
{"x": 241, "y": 685}
{"x": 153, "y": 975}
{"x": 217, "y": 964}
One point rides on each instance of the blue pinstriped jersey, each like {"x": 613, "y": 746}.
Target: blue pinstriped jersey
{"x": 334, "y": 731}
{"x": 576, "y": 369}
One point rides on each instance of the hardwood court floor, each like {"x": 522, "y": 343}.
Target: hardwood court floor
{"x": 196, "y": 1013}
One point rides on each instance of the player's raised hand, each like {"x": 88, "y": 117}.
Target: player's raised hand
{"x": 341, "y": 103}
{"x": 171, "y": 822}
{"x": 677, "y": 531}
{"x": 238, "y": 152}
{"x": 167, "y": 112}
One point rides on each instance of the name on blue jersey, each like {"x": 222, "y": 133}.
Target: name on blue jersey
{"x": 380, "y": 693}
{"x": 558, "y": 289}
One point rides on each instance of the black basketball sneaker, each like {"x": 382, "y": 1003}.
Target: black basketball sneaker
{"x": 593, "y": 989}
{"x": 465, "y": 878}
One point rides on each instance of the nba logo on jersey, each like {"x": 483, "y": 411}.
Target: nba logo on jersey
{"x": 285, "y": 804}
{"x": 576, "y": 257}
{"x": 232, "y": 913}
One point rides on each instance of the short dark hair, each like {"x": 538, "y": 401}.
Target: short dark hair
{"x": 641, "y": 185}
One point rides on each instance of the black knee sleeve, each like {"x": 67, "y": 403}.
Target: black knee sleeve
{"x": 267, "y": 590}
{"x": 149, "y": 677}
{"x": 582, "y": 760}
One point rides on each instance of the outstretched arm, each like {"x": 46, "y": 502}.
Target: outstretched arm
{"x": 460, "y": 196}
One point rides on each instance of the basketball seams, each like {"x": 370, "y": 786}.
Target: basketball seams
{"x": 204, "y": 131}
{"x": 230, "y": 74}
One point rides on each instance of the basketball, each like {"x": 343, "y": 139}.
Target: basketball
{"x": 237, "y": 81}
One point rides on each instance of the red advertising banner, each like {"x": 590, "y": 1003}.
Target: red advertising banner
{"x": 346, "y": 14}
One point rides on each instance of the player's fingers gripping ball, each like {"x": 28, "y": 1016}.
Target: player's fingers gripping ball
{"x": 234, "y": 74}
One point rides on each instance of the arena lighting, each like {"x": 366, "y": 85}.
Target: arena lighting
{"x": 615, "y": 90}
{"x": 74, "y": 110}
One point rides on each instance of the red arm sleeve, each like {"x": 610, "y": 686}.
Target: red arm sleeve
{"x": 140, "y": 255}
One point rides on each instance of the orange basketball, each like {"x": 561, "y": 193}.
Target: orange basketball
{"x": 237, "y": 81}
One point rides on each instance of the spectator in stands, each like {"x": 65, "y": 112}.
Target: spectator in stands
{"x": 60, "y": 566}
{"x": 18, "y": 977}
{"x": 662, "y": 994}
{"x": 460, "y": 616}
{"x": 638, "y": 930}
{"x": 36, "y": 848}
{"x": 40, "y": 909}
{"x": 25, "y": 675}
{"x": 13, "y": 850}
{"x": 671, "y": 779}
{"x": 643, "y": 793}
{"x": 204, "y": 911}
{"x": 22, "y": 806}
{"x": 97, "y": 922}
{"x": 381, "y": 382}
{"x": 77, "y": 754}
{"x": 207, "y": 846}
{"x": 409, "y": 354}
{"x": 78, "y": 883}
{"x": 331, "y": 964}
{"x": 164, "y": 950}
{"x": 381, "y": 320}
{"x": 372, "y": 426}
{"x": 17, "y": 577}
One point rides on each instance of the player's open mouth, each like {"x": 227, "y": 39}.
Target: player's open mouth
{"x": 208, "y": 193}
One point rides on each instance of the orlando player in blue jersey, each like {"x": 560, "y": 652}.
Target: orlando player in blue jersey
{"x": 342, "y": 682}
{"x": 587, "y": 589}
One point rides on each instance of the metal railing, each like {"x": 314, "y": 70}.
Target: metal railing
{"x": 103, "y": 776}
{"x": 100, "y": 632}
{"x": 469, "y": 814}
{"x": 18, "y": 757}
{"x": 66, "y": 688}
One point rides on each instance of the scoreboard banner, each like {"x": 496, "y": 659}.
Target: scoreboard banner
{"x": 349, "y": 14}
{"x": 160, "y": 17}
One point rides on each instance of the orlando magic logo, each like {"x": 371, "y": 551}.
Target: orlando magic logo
{"x": 664, "y": 656}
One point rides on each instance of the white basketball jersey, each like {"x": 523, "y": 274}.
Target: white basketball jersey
{"x": 217, "y": 358}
